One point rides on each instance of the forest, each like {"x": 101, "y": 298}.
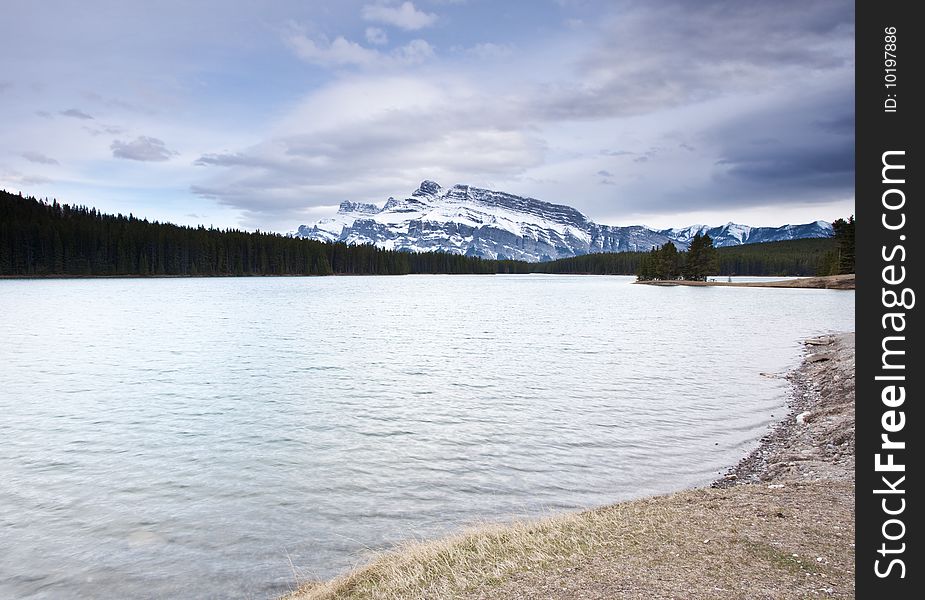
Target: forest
{"x": 50, "y": 239}
{"x": 41, "y": 238}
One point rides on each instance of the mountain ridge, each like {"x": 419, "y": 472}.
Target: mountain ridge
{"x": 473, "y": 221}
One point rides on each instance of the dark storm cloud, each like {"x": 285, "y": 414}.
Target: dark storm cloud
{"x": 841, "y": 124}
{"x": 142, "y": 148}
{"x": 663, "y": 54}
{"x": 805, "y": 165}
{"x": 75, "y": 113}
{"x": 785, "y": 145}
{"x": 777, "y": 154}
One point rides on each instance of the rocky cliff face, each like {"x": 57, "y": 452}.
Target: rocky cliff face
{"x": 479, "y": 222}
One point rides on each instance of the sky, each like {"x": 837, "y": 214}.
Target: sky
{"x": 266, "y": 114}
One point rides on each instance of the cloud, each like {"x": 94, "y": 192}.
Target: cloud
{"x": 780, "y": 149}
{"x": 118, "y": 103}
{"x": 490, "y": 50}
{"x": 376, "y": 36}
{"x": 654, "y": 56}
{"x": 606, "y": 177}
{"x": 839, "y": 124}
{"x": 342, "y": 52}
{"x": 666, "y": 93}
{"x": 142, "y": 148}
{"x": 75, "y": 113}
{"x": 35, "y": 180}
{"x": 104, "y": 130}
{"x": 404, "y": 16}
{"x": 379, "y": 135}
{"x": 238, "y": 159}
{"x": 17, "y": 178}
{"x": 414, "y": 52}
{"x": 606, "y": 152}
{"x": 37, "y": 157}
{"x": 512, "y": 98}
{"x": 5, "y": 85}
{"x": 337, "y": 53}
{"x": 774, "y": 153}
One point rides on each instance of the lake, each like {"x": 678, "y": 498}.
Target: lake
{"x": 213, "y": 438}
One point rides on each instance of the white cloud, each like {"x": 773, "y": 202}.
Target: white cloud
{"x": 414, "y": 52}
{"x": 343, "y": 52}
{"x": 365, "y": 138}
{"x": 376, "y": 36}
{"x": 337, "y": 53}
{"x": 404, "y": 16}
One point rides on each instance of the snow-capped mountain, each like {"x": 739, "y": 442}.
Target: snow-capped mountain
{"x": 732, "y": 234}
{"x": 478, "y": 222}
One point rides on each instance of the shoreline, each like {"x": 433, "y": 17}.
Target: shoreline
{"x": 827, "y": 282}
{"x": 816, "y": 437}
{"x": 831, "y": 282}
{"x": 779, "y": 524}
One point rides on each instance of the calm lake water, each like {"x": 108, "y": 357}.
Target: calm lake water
{"x": 213, "y": 438}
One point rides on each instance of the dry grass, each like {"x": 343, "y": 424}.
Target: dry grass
{"x": 742, "y": 542}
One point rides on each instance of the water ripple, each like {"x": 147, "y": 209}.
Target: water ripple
{"x": 188, "y": 437}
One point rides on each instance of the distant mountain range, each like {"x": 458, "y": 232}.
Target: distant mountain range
{"x": 479, "y": 222}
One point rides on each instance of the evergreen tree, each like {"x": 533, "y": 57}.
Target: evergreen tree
{"x": 647, "y": 262}
{"x": 840, "y": 259}
{"x": 843, "y": 231}
{"x": 668, "y": 263}
{"x": 700, "y": 260}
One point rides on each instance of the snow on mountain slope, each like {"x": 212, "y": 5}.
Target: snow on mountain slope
{"x": 491, "y": 224}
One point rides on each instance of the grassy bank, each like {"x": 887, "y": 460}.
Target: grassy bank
{"x": 743, "y": 542}
{"x": 788, "y": 533}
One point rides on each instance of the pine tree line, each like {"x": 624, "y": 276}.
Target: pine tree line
{"x": 791, "y": 257}
{"x": 41, "y": 238}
